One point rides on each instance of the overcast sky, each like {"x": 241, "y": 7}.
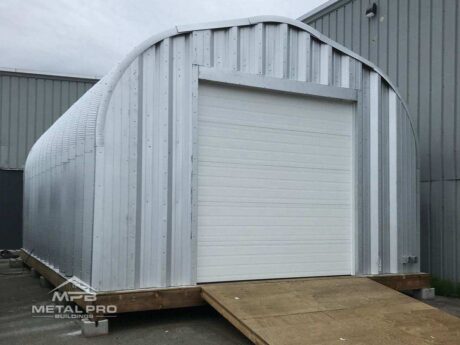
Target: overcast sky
{"x": 89, "y": 36}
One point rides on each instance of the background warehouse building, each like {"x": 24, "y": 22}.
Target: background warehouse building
{"x": 236, "y": 150}
{"x": 417, "y": 43}
{"x": 30, "y": 102}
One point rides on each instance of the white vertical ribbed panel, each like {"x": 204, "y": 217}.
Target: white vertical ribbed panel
{"x": 325, "y": 64}
{"x": 181, "y": 131}
{"x": 393, "y": 181}
{"x": 108, "y": 188}
{"x": 374, "y": 172}
{"x": 344, "y": 71}
{"x": 300, "y": 55}
{"x": 116, "y": 179}
{"x": 155, "y": 173}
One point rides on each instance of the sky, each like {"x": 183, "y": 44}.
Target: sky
{"x": 87, "y": 37}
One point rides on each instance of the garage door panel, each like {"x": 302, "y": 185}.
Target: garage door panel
{"x": 250, "y": 102}
{"x": 255, "y": 160}
{"x": 276, "y": 158}
{"x": 302, "y": 250}
{"x": 267, "y": 135}
{"x": 224, "y": 235}
{"x": 274, "y": 259}
{"x": 278, "y": 210}
{"x": 280, "y": 221}
{"x": 246, "y": 194}
{"x": 280, "y": 270}
{"x": 230, "y": 148}
{"x": 271, "y": 172}
{"x": 274, "y": 185}
{"x": 252, "y": 121}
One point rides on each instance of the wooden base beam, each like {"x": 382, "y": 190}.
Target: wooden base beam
{"x": 125, "y": 300}
{"x": 404, "y": 282}
{"x": 189, "y": 296}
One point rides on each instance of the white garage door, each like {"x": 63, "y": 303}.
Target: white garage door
{"x": 274, "y": 185}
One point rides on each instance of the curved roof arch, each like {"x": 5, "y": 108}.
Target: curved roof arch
{"x": 113, "y": 77}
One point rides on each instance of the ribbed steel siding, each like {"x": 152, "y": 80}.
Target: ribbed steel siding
{"x": 28, "y": 107}
{"x": 59, "y": 190}
{"x": 149, "y": 243}
{"x": 417, "y": 44}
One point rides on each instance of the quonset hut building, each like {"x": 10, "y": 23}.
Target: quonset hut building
{"x": 247, "y": 149}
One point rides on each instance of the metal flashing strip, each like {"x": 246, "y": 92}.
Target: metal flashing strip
{"x": 393, "y": 183}
{"x": 374, "y": 172}
{"x": 277, "y": 84}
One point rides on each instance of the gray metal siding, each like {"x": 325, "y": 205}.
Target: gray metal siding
{"x": 139, "y": 140}
{"x": 29, "y": 104}
{"x": 417, "y": 43}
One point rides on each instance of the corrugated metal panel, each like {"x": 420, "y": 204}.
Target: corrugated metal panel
{"x": 58, "y": 207}
{"x": 139, "y": 142}
{"x": 417, "y": 42}
{"x": 29, "y": 104}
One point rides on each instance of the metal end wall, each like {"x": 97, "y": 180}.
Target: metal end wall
{"x": 417, "y": 43}
{"x": 142, "y": 157}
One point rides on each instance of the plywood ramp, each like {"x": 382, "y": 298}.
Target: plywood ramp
{"x": 341, "y": 310}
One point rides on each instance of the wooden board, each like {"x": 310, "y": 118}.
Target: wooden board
{"x": 126, "y": 300}
{"x": 152, "y": 299}
{"x": 343, "y": 310}
{"x": 404, "y": 282}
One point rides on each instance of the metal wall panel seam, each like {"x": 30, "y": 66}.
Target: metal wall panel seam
{"x": 365, "y": 245}
{"x": 194, "y": 174}
{"x": 393, "y": 182}
{"x": 374, "y": 172}
{"x": 359, "y": 188}
{"x": 145, "y": 194}
{"x": 325, "y": 64}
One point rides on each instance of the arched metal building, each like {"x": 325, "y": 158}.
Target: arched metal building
{"x": 247, "y": 149}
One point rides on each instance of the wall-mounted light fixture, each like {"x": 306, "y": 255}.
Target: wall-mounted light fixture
{"x": 371, "y": 11}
